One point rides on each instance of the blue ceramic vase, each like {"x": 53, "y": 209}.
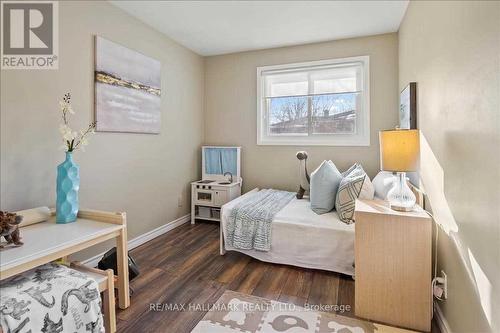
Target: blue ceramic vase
{"x": 68, "y": 184}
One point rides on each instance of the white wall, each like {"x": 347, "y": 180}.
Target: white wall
{"x": 451, "y": 49}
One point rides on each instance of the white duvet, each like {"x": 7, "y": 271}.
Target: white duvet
{"x": 300, "y": 237}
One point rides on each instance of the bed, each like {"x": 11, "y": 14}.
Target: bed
{"x": 302, "y": 238}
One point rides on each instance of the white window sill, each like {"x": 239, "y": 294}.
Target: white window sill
{"x": 346, "y": 142}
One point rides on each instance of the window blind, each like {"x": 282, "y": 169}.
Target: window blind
{"x": 320, "y": 80}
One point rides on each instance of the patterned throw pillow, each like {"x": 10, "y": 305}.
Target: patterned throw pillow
{"x": 349, "y": 190}
{"x": 351, "y": 169}
{"x": 368, "y": 189}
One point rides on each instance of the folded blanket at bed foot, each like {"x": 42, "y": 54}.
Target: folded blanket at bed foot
{"x": 249, "y": 223}
{"x": 50, "y": 298}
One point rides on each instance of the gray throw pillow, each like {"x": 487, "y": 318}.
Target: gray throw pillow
{"x": 348, "y": 191}
{"x": 325, "y": 181}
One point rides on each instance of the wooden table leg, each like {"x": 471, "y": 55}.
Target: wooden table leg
{"x": 122, "y": 263}
{"x": 109, "y": 303}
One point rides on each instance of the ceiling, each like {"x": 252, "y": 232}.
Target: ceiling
{"x": 218, "y": 27}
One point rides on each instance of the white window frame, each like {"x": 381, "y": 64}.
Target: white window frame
{"x": 360, "y": 138}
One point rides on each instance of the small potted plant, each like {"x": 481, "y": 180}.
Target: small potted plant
{"x": 68, "y": 172}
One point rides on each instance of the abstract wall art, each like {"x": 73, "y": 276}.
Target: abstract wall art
{"x": 127, "y": 89}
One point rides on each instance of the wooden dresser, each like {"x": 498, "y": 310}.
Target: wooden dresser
{"x": 393, "y": 265}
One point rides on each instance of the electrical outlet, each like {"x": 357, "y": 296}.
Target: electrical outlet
{"x": 438, "y": 292}
{"x": 445, "y": 284}
{"x": 179, "y": 201}
{"x": 440, "y": 286}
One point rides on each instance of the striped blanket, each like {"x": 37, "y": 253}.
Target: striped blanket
{"x": 249, "y": 222}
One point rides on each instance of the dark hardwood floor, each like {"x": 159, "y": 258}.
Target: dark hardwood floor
{"x": 184, "y": 267}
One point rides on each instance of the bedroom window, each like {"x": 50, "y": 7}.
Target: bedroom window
{"x": 315, "y": 103}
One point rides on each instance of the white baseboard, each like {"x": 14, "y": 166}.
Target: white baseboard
{"x": 146, "y": 237}
{"x": 441, "y": 321}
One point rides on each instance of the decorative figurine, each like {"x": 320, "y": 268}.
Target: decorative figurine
{"x": 9, "y": 228}
{"x": 303, "y": 175}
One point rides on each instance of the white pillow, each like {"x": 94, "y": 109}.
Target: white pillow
{"x": 325, "y": 181}
{"x": 382, "y": 183}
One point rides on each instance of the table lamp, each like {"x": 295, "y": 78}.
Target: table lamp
{"x": 399, "y": 152}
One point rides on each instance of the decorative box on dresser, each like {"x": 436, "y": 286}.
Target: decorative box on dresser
{"x": 393, "y": 256}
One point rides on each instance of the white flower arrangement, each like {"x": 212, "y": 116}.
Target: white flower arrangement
{"x": 73, "y": 140}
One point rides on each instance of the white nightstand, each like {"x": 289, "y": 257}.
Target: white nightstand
{"x": 393, "y": 265}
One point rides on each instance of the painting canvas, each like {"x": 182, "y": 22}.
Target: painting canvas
{"x": 127, "y": 89}
{"x": 408, "y": 107}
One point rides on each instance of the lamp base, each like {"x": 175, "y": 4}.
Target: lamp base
{"x": 402, "y": 208}
{"x": 400, "y": 196}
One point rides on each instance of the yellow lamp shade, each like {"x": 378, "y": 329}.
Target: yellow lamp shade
{"x": 399, "y": 150}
